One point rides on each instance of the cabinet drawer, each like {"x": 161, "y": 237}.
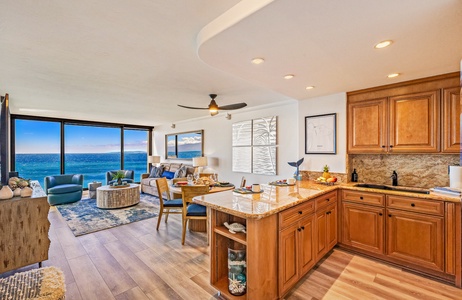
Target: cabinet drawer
{"x": 363, "y": 197}
{"x": 324, "y": 200}
{"x": 416, "y": 205}
{"x": 295, "y": 214}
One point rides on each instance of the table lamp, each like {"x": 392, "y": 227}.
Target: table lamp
{"x": 199, "y": 162}
{"x": 154, "y": 159}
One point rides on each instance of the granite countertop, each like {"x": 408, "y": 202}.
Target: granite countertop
{"x": 278, "y": 198}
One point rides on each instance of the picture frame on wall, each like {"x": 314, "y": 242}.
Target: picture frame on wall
{"x": 184, "y": 145}
{"x": 321, "y": 134}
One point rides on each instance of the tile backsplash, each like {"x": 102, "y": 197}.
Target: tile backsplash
{"x": 416, "y": 170}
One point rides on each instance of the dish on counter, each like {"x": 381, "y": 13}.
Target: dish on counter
{"x": 282, "y": 182}
{"x": 246, "y": 191}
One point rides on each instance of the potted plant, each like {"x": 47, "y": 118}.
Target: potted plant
{"x": 118, "y": 176}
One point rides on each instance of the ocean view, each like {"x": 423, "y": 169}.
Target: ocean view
{"x": 92, "y": 165}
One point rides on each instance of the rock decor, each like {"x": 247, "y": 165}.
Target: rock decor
{"x": 237, "y": 280}
{"x": 20, "y": 187}
{"x": 6, "y": 193}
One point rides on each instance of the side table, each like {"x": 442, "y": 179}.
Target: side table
{"x": 92, "y": 186}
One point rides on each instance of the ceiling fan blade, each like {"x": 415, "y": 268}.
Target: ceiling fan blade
{"x": 192, "y": 107}
{"x": 232, "y": 106}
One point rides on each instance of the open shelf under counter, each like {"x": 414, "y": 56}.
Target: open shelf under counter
{"x": 239, "y": 237}
{"x": 222, "y": 286}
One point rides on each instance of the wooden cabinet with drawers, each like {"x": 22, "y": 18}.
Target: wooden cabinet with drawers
{"x": 451, "y": 120}
{"x": 419, "y": 234}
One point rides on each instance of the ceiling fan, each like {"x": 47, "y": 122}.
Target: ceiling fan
{"x": 214, "y": 108}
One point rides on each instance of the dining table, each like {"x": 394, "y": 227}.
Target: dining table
{"x": 198, "y": 225}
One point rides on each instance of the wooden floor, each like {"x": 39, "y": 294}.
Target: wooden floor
{"x": 135, "y": 261}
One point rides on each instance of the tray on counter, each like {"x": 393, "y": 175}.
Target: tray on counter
{"x": 275, "y": 183}
{"x": 246, "y": 191}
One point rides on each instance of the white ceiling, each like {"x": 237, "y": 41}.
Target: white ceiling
{"x": 133, "y": 62}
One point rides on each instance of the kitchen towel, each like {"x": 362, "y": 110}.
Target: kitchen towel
{"x": 455, "y": 176}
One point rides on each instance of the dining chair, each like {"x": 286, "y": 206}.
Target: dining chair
{"x": 192, "y": 211}
{"x": 170, "y": 206}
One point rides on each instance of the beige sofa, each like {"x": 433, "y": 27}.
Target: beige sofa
{"x": 148, "y": 185}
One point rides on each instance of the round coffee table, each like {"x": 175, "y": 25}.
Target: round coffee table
{"x": 108, "y": 197}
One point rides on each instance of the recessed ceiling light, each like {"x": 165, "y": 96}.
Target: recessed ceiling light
{"x": 309, "y": 87}
{"x": 383, "y": 44}
{"x": 257, "y": 60}
{"x": 393, "y": 75}
{"x": 289, "y": 76}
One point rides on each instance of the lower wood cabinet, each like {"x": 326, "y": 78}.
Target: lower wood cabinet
{"x": 326, "y": 230}
{"x": 416, "y": 238}
{"x": 296, "y": 252}
{"x": 363, "y": 227}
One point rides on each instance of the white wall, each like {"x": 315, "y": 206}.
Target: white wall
{"x": 335, "y": 103}
{"x": 218, "y": 140}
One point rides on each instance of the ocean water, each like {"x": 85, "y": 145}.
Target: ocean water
{"x": 92, "y": 165}
{"x": 185, "y": 154}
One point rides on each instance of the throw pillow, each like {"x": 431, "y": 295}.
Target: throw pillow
{"x": 180, "y": 173}
{"x": 168, "y": 175}
{"x": 156, "y": 172}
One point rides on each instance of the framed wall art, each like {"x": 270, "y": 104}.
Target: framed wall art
{"x": 320, "y": 134}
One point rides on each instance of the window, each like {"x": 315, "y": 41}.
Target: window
{"x": 184, "y": 145}
{"x": 37, "y": 149}
{"x": 40, "y": 148}
{"x": 135, "y": 151}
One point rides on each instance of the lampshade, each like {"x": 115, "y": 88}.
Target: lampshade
{"x": 154, "y": 159}
{"x": 199, "y": 161}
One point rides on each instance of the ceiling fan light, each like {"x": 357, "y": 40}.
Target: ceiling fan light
{"x": 213, "y": 112}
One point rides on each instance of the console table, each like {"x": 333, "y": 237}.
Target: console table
{"x": 24, "y": 229}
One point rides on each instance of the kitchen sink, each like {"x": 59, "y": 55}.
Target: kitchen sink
{"x": 392, "y": 188}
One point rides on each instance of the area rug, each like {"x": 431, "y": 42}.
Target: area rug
{"x": 44, "y": 283}
{"x": 84, "y": 217}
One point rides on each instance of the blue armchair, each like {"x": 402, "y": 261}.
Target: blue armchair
{"x": 64, "y": 188}
{"x": 129, "y": 176}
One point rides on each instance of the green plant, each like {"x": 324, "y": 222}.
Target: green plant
{"x": 119, "y": 175}
{"x": 326, "y": 168}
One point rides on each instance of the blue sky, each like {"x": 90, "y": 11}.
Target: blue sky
{"x": 43, "y": 137}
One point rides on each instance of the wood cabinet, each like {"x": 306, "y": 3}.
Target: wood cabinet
{"x": 24, "y": 229}
{"x": 451, "y": 120}
{"x": 419, "y": 234}
{"x": 415, "y": 238}
{"x": 367, "y": 126}
{"x": 260, "y": 243}
{"x": 363, "y": 227}
{"x": 326, "y": 230}
{"x": 421, "y": 116}
{"x": 296, "y": 252}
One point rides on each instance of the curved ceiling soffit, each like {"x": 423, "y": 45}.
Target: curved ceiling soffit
{"x": 231, "y": 17}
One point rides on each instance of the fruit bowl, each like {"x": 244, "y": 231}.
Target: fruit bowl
{"x": 324, "y": 182}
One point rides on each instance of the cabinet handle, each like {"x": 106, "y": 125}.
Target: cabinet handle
{"x": 389, "y": 215}
{"x": 391, "y": 146}
{"x": 303, "y": 227}
{"x": 327, "y": 199}
{"x": 412, "y": 204}
{"x": 383, "y": 146}
{"x": 380, "y": 214}
{"x": 300, "y": 212}
{"x": 299, "y": 229}
{"x": 361, "y": 197}
{"x": 328, "y": 213}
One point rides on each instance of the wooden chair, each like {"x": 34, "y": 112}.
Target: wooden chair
{"x": 192, "y": 211}
{"x": 171, "y": 206}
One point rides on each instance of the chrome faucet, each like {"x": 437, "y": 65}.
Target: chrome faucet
{"x": 394, "y": 178}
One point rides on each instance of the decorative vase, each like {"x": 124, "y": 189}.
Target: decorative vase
{"x": 17, "y": 192}
{"x": 119, "y": 181}
{"x": 6, "y": 192}
{"x": 26, "y": 192}
{"x": 237, "y": 280}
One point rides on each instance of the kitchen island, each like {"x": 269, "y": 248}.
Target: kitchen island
{"x": 291, "y": 228}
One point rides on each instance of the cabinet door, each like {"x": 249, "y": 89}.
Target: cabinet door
{"x": 363, "y": 227}
{"x": 331, "y": 226}
{"x": 321, "y": 234}
{"x": 288, "y": 257}
{"x": 306, "y": 250}
{"x": 367, "y": 126}
{"x": 451, "y": 120}
{"x": 414, "y": 123}
{"x": 416, "y": 238}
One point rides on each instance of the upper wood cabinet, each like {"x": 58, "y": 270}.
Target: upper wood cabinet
{"x": 420, "y": 116}
{"x": 451, "y": 120}
{"x": 414, "y": 123}
{"x": 367, "y": 126}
